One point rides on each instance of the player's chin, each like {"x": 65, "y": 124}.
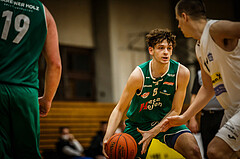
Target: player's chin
{"x": 165, "y": 61}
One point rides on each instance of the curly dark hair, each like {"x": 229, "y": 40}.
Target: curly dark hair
{"x": 157, "y": 35}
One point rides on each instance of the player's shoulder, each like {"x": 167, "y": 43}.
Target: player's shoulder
{"x": 222, "y": 27}
{"x": 220, "y": 23}
{"x": 183, "y": 72}
{"x": 49, "y": 18}
{"x": 183, "y": 76}
{"x": 136, "y": 78}
{"x": 217, "y": 26}
{"x": 140, "y": 70}
{"x": 137, "y": 74}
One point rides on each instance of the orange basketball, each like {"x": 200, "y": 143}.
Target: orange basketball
{"x": 121, "y": 146}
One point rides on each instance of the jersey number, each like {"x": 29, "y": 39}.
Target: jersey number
{"x": 20, "y": 27}
{"x": 155, "y": 91}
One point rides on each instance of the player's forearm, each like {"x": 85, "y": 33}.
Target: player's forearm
{"x": 52, "y": 79}
{"x": 203, "y": 97}
{"x": 113, "y": 122}
{"x": 157, "y": 129}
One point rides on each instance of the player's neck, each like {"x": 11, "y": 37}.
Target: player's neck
{"x": 158, "y": 69}
{"x": 198, "y": 28}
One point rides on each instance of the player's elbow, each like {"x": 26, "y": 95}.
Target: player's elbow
{"x": 58, "y": 65}
{"x": 209, "y": 90}
{"x": 55, "y": 65}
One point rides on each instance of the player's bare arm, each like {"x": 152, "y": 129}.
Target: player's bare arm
{"x": 54, "y": 67}
{"x": 183, "y": 79}
{"x": 134, "y": 83}
{"x": 204, "y": 95}
{"x": 192, "y": 124}
{"x": 226, "y": 34}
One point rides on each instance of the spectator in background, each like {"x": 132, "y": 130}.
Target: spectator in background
{"x": 95, "y": 148}
{"x": 211, "y": 115}
{"x": 68, "y": 147}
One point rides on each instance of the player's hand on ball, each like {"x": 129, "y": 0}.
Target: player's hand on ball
{"x": 104, "y": 148}
{"x": 120, "y": 145}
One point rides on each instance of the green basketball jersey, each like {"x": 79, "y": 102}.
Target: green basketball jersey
{"x": 23, "y": 32}
{"x": 154, "y": 101}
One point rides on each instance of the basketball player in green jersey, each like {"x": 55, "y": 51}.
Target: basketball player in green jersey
{"x": 156, "y": 90}
{"x": 26, "y": 29}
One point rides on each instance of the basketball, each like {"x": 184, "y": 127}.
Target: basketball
{"x": 121, "y": 146}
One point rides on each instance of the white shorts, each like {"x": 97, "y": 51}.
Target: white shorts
{"x": 230, "y": 131}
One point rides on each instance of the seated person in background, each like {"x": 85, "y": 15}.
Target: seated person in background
{"x": 67, "y": 146}
{"x": 95, "y": 148}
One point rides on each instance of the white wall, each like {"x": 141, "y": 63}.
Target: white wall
{"x": 73, "y": 19}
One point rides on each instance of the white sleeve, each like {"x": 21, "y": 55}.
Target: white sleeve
{"x": 73, "y": 152}
{"x": 78, "y": 146}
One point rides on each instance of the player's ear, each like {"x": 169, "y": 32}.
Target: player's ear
{"x": 150, "y": 50}
{"x": 184, "y": 16}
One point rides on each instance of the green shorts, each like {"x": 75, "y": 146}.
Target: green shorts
{"x": 19, "y": 124}
{"x": 169, "y": 137}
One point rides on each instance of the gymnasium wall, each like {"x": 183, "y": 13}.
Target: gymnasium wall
{"x": 115, "y": 30}
{"x": 127, "y": 23}
{"x": 73, "y": 19}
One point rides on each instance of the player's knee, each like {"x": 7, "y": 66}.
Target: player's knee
{"x": 195, "y": 152}
{"x": 213, "y": 153}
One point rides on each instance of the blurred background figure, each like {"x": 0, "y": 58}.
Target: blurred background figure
{"x": 211, "y": 115}
{"x": 68, "y": 147}
{"x": 95, "y": 148}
